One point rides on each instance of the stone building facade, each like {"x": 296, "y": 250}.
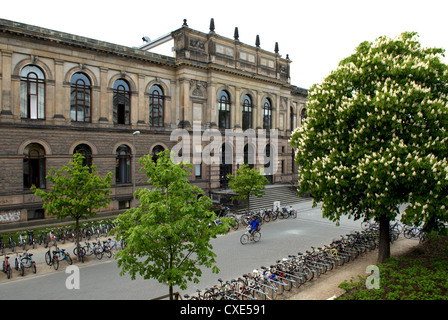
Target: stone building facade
{"x": 62, "y": 93}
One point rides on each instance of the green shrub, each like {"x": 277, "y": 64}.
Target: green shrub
{"x": 420, "y": 275}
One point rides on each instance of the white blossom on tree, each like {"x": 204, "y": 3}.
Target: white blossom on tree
{"x": 376, "y": 136}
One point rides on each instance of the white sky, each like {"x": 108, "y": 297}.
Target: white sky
{"x": 316, "y": 34}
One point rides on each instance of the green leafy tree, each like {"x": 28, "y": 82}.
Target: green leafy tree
{"x": 246, "y": 182}
{"x": 168, "y": 235}
{"x": 77, "y": 191}
{"x": 376, "y": 137}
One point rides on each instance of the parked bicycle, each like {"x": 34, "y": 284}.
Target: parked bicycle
{"x": 31, "y": 240}
{"x": 26, "y": 262}
{"x": 102, "y": 249}
{"x": 410, "y": 232}
{"x": 11, "y": 243}
{"x": 18, "y": 265}
{"x": 6, "y": 267}
{"x": 22, "y": 241}
{"x": 81, "y": 254}
{"x": 2, "y": 246}
{"x": 58, "y": 255}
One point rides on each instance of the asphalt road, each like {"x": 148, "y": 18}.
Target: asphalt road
{"x": 103, "y": 281}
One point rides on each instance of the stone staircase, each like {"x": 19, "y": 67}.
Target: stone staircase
{"x": 285, "y": 194}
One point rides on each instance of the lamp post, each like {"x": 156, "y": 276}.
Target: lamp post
{"x": 136, "y": 133}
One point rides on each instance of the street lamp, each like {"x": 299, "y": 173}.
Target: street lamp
{"x": 136, "y": 133}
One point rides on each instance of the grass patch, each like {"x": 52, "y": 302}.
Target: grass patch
{"x": 422, "y": 274}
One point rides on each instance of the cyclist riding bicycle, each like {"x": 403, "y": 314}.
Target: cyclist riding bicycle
{"x": 254, "y": 226}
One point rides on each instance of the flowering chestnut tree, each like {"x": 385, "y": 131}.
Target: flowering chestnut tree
{"x": 376, "y": 136}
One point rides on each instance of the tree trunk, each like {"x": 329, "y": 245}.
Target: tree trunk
{"x": 77, "y": 238}
{"x": 171, "y": 293}
{"x": 384, "y": 243}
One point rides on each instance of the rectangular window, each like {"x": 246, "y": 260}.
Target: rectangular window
{"x": 124, "y": 204}
{"x": 198, "y": 171}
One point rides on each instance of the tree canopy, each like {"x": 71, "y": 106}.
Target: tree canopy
{"x": 376, "y": 136}
{"x": 168, "y": 235}
{"x": 246, "y": 182}
{"x": 77, "y": 191}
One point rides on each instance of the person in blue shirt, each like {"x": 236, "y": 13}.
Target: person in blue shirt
{"x": 254, "y": 224}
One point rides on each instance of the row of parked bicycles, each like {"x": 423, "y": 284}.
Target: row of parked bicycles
{"x": 44, "y": 237}
{"x": 21, "y": 263}
{"x": 51, "y": 238}
{"x": 56, "y": 255}
{"x": 396, "y": 229}
{"x": 262, "y": 215}
{"x": 268, "y": 282}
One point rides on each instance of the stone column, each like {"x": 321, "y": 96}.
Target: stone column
{"x": 5, "y": 107}
{"x": 59, "y": 90}
{"x": 104, "y": 113}
{"x": 140, "y": 108}
{"x": 212, "y": 112}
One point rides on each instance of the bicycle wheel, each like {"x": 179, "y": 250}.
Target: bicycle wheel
{"x": 278, "y": 287}
{"x": 22, "y": 269}
{"x": 8, "y": 272}
{"x": 257, "y": 236}
{"x": 88, "y": 250}
{"x": 108, "y": 253}
{"x": 33, "y": 267}
{"x": 48, "y": 259}
{"x": 309, "y": 274}
{"x": 298, "y": 279}
{"x": 55, "y": 263}
{"x": 408, "y": 233}
{"x": 286, "y": 282}
{"x": 69, "y": 259}
{"x": 234, "y": 224}
{"x": 98, "y": 253}
{"x": 267, "y": 217}
{"x": 365, "y": 225}
{"x": 422, "y": 237}
{"x": 244, "y": 239}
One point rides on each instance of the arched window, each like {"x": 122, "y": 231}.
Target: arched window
{"x": 80, "y": 98}
{"x": 224, "y": 110}
{"x": 292, "y": 125}
{"x": 32, "y": 93}
{"x": 268, "y": 168}
{"x": 155, "y": 152}
{"x": 122, "y": 102}
{"x": 303, "y": 115}
{"x": 34, "y": 166}
{"x": 123, "y": 165}
{"x": 86, "y": 152}
{"x": 249, "y": 155}
{"x": 226, "y": 165}
{"x": 247, "y": 112}
{"x": 156, "y": 106}
{"x": 267, "y": 114}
